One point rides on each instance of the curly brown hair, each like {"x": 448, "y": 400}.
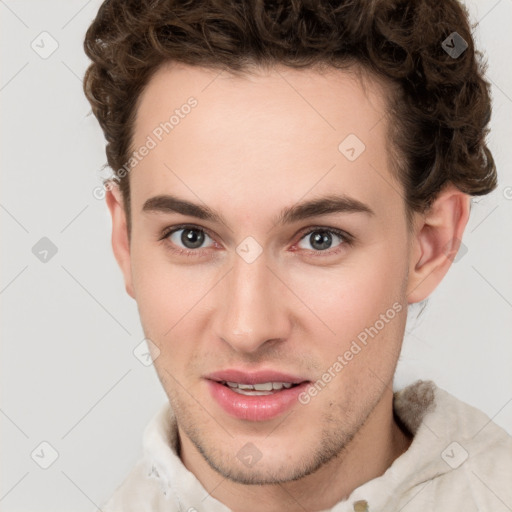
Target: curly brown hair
{"x": 440, "y": 105}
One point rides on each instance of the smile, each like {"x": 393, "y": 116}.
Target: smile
{"x": 255, "y": 396}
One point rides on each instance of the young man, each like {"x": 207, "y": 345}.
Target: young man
{"x": 289, "y": 177}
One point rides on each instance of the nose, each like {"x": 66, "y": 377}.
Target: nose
{"x": 251, "y": 309}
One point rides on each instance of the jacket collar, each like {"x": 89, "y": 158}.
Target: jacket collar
{"x": 428, "y": 412}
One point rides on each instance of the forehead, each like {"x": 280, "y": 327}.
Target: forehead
{"x": 267, "y": 135}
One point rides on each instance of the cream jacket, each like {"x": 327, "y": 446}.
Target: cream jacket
{"x": 458, "y": 461}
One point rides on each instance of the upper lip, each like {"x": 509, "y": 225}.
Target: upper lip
{"x": 257, "y": 377}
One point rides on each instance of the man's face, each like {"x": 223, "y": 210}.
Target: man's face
{"x": 249, "y": 299}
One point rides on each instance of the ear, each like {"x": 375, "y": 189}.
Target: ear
{"x": 437, "y": 238}
{"x": 120, "y": 238}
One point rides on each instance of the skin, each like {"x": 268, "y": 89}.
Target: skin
{"x": 253, "y": 146}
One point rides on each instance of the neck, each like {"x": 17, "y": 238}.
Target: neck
{"x": 370, "y": 453}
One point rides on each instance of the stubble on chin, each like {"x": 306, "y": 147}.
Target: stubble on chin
{"x": 335, "y": 434}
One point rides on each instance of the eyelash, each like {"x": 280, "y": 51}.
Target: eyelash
{"x": 346, "y": 238}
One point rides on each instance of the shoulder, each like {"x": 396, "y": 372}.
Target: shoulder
{"x": 474, "y": 455}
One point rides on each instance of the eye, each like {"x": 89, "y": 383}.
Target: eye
{"x": 187, "y": 238}
{"x": 323, "y": 239}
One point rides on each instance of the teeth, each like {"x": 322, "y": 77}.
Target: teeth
{"x": 258, "y": 389}
{"x": 250, "y": 393}
{"x": 264, "y": 386}
{"x": 248, "y": 386}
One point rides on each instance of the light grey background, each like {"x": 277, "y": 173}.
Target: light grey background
{"x": 68, "y": 373}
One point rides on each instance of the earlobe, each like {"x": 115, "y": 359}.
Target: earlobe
{"x": 436, "y": 242}
{"x": 120, "y": 238}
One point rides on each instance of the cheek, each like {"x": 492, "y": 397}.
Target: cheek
{"x": 331, "y": 304}
{"x": 155, "y": 285}
{"x": 352, "y": 296}
{"x": 170, "y": 299}
{"x": 166, "y": 308}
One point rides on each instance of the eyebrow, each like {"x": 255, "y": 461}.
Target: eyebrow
{"x": 320, "y": 206}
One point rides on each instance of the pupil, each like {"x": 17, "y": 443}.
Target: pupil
{"x": 321, "y": 240}
{"x": 192, "y": 238}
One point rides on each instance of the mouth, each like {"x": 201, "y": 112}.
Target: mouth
{"x": 255, "y": 396}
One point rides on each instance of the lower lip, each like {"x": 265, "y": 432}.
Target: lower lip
{"x": 258, "y": 407}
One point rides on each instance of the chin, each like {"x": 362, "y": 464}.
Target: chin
{"x": 257, "y": 464}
